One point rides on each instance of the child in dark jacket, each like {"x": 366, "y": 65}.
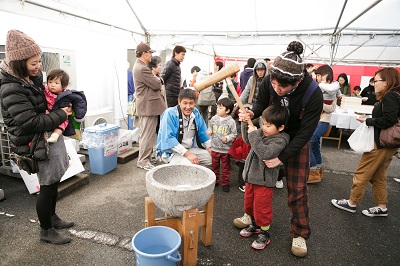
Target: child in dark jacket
{"x": 57, "y": 96}
{"x": 267, "y": 142}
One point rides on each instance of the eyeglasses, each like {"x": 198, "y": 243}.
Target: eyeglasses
{"x": 375, "y": 81}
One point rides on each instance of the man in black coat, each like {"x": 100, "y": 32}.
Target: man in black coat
{"x": 171, "y": 74}
{"x": 369, "y": 92}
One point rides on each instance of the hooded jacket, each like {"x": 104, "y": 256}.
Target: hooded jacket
{"x": 262, "y": 148}
{"x": 244, "y": 77}
{"x": 254, "y": 81}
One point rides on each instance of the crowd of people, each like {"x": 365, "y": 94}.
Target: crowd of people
{"x": 288, "y": 106}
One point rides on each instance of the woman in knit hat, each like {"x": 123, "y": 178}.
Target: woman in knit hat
{"x": 289, "y": 84}
{"x": 24, "y": 110}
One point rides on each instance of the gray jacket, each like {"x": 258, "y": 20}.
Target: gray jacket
{"x": 262, "y": 148}
{"x": 222, "y": 127}
{"x": 206, "y": 96}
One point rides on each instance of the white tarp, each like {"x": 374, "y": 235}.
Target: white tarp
{"x": 231, "y": 28}
{"x": 99, "y": 33}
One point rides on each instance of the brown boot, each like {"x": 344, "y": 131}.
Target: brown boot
{"x": 314, "y": 176}
{"x": 321, "y": 172}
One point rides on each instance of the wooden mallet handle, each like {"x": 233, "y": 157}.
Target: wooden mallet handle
{"x": 237, "y": 98}
{"x": 216, "y": 77}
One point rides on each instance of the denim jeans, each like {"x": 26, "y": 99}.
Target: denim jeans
{"x": 315, "y": 146}
{"x": 130, "y": 118}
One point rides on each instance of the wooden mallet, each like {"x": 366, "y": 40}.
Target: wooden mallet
{"x": 224, "y": 73}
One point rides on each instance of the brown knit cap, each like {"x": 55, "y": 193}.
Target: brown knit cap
{"x": 20, "y": 46}
{"x": 289, "y": 64}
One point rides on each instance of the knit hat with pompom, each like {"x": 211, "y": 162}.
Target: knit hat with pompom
{"x": 289, "y": 64}
{"x": 20, "y": 46}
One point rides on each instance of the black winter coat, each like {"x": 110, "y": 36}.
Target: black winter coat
{"x": 384, "y": 115}
{"x": 79, "y": 106}
{"x": 23, "y": 108}
{"x": 171, "y": 74}
{"x": 299, "y": 130}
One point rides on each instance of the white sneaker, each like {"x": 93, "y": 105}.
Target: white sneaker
{"x": 299, "y": 247}
{"x": 279, "y": 184}
{"x": 242, "y": 222}
{"x": 147, "y": 167}
{"x": 397, "y": 179}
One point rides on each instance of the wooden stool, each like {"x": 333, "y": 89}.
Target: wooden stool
{"x": 187, "y": 227}
{"x": 339, "y": 139}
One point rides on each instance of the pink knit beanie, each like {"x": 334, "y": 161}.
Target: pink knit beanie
{"x": 20, "y": 46}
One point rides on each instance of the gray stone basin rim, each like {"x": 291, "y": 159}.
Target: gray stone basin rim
{"x": 178, "y": 187}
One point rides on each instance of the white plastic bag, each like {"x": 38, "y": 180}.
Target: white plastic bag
{"x": 362, "y": 139}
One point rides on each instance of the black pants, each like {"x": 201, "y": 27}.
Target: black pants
{"x": 240, "y": 173}
{"x": 203, "y": 109}
{"x": 46, "y": 204}
{"x": 172, "y": 101}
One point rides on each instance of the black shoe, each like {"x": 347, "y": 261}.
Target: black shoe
{"x": 226, "y": 188}
{"x": 60, "y": 224}
{"x": 52, "y": 236}
{"x": 262, "y": 240}
{"x": 250, "y": 230}
{"x": 242, "y": 188}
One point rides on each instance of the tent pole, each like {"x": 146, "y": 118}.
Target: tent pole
{"x": 358, "y": 47}
{"x": 78, "y": 16}
{"x": 340, "y": 17}
{"x": 146, "y": 33}
{"x": 312, "y": 50}
{"x": 357, "y": 17}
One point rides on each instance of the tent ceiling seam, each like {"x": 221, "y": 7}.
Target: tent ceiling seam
{"x": 78, "y": 16}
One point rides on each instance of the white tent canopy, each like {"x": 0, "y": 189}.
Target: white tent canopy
{"x": 99, "y": 36}
{"x": 347, "y": 31}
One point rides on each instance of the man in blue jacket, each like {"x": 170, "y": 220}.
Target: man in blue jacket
{"x": 182, "y": 137}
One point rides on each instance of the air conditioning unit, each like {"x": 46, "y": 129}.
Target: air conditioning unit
{"x": 98, "y": 117}
{"x": 53, "y": 58}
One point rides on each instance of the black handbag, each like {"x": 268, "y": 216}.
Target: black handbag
{"x": 25, "y": 163}
{"x": 28, "y": 162}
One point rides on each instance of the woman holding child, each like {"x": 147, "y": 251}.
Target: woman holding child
{"x": 23, "y": 106}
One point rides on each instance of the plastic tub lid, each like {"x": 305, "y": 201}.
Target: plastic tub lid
{"x": 101, "y": 128}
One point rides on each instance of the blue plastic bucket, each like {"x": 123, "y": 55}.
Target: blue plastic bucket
{"x": 157, "y": 245}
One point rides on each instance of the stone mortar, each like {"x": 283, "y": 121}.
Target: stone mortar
{"x": 177, "y": 187}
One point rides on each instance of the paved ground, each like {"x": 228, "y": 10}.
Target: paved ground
{"x": 110, "y": 210}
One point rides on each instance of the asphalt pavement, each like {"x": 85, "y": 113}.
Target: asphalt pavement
{"x": 109, "y": 210}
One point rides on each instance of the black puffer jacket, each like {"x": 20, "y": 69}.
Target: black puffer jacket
{"x": 171, "y": 74}
{"x": 23, "y": 108}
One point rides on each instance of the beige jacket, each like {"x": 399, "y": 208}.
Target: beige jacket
{"x": 327, "y": 110}
{"x": 149, "y": 99}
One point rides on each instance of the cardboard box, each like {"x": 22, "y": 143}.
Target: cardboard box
{"x": 124, "y": 140}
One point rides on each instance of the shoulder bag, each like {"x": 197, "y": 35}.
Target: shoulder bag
{"x": 390, "y": 137}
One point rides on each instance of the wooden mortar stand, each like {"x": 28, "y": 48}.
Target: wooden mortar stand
{"x": 187, "y": 226}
